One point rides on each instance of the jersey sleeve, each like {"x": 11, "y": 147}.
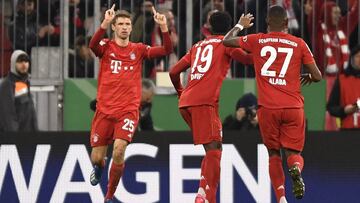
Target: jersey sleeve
{"x": 159, "y": 51}
{"x": 239, "y": 55}
{"x": 248, "y": 42}
{"x": 176, "y": 70}
{"x": 307, "y": 56}
{"x": 97, "y": 43}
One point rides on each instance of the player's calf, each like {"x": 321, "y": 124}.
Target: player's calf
{"x": 298, "y": 182}
{"x": 95, "y": 176}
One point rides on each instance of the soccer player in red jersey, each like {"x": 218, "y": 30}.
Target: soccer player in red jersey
{"x": 278, "y": 57}
{"x": 119, "y": 91}
{"x": 209, "y": 60}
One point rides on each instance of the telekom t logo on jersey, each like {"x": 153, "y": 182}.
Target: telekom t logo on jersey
{"x": 116, "y": 67}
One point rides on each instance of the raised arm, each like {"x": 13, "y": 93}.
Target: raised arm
{"x": 352, "y": 17}
{"x": 231, "y": 39}
{"x": 167, "y": 46}
{"x": 95, "y": 44}
{"x": 176, "y": 70}
{"x": 241, "y": 56}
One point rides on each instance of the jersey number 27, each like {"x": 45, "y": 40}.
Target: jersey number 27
{"x": 272, "y": 58}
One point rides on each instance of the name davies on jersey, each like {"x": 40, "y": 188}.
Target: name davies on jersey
{"x": 277, "y": 81}
{"x": 196, "y": 76}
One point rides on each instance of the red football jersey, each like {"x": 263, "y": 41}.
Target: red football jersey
{"x": 209, "y": 62}
{"x": 119, "y": 83}
{"x": 277, "y": 60}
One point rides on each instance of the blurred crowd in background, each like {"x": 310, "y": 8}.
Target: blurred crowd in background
{"x": 330, "y": 28}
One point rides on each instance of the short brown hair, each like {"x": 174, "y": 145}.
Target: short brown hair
{"x": 121, "y": 14}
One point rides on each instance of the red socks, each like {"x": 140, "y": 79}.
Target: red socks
{"x": 277, "y": 176}
{"x": 116, "y": 172}
{"x": 210, "y": 174}
{"x": 277, "y": 173}
{"x": 295, "y": 159}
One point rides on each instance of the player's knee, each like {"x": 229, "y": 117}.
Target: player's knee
{"x": 273, "y": 152}
{"x": 118, "y": 154}
{"x": 97, "y": 158}
{"x": 213, "y": 145}
{"x": 289, "y": 152}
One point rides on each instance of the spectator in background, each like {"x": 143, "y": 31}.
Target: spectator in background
{"x": 209, "y": 8}
{"x": 205, "y": 29}
{"x": 25, "y": 32}
{"x": 245, "y": 114}
{"x": 332, "y": 52}
{"x": 81, "y": 62}
{"x": 6, "y": 12}
{"x": 344, "y": 100}
{"x": 148, "y": 92}
{"x": 170, "y": 60}
{"x": 75, "y": 22}
{"x": 16, "y": 105}
{"x": 143, "y": 24}
{"x": 143, "y": 28}
{"x": 312, "y": 16}
{"x": 293, "y": 24}
{"x": 6, "y": 48}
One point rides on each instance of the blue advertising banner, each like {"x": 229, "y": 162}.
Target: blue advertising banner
{"x": 165, "y": 167}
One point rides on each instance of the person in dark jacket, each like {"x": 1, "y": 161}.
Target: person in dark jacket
{"x": 245, "y": 114}
{"x": 25, "y": 32}
{"x": 148, "y": 91}
{"x": 344, "y": 100}
{"x": 81, "y": 61}
{"x": 16, "y": 105}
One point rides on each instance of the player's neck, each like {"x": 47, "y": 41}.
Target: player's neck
{"x": 270, "y": 29}
{"x": 121, "y": 42}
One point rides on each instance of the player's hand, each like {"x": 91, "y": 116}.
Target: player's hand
{"x": 109, "y": 16}
{"x": 179, "y": 93}
{"x": 49, "y": 29}
{"x": 305, "y": 79}
{"x": 158, "y": 17}
{"x": 350, "y": 109}
{"x": 245, "y": 20}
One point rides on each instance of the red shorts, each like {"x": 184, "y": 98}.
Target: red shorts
{"x": 106, "y": 128}
{"x": 204, "y": 123}
{"x": 282, "y": 128}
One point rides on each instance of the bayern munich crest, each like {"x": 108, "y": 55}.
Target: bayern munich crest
{"x": 245, "y": 38}
{"x": 95, "y": 137}
{"x": 132, "y": 56}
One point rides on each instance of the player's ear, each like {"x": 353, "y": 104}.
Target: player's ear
{"x": 286, "y": 22}
{"x": 112, "y": 27}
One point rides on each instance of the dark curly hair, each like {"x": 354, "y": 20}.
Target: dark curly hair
{"x": 220, "y": 22}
